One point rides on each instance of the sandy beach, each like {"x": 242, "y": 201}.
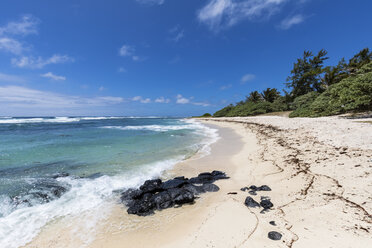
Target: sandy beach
{"x": 319, "y": 171}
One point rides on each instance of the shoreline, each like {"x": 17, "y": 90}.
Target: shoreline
{"x": 288, "y": 161}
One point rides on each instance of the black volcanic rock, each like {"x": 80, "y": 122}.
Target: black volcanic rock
{"x": 266, "y": 204}
{"x": 157, "y": 195}
{"x": 263, "y": 188}
{"x": 151, "y": 186}
{"x": 251, "y": 203}
{"x": 174, "y": 183}
{"x": 210, "y": 187}
{"x": 274, "y": 235}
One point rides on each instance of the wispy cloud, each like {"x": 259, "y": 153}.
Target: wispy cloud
{"x": 52, "y": 76}
{"x": 22, "y": 97}
{"x": 129, "y": 51}
{"x": 126, "y": 50}
{"x": 8, "y": 40}
{"x": 39, "y": 62}
{"x": 220, "y": 14}
{"x": 151, "y": 2}
{"x": 225, "y": 87}
{"x": 162, "y": 100}
{"x": 288, "y": 22}
{"x": 141, "y": 99}
{"x": 246, "y": 78}
{"x": 183, "y": 100}
{"x": 176, "y": 33}
{"x": 11, "y": 45}
{"x": 7, "y": 78}
{"x": 122, "y": 69}
{"x": 25, "y": 26}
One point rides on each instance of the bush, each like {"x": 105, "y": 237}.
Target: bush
{"x": 223, "y": 112}
{"x": 301, "y": 104}
{"x": 207, "y": 115}
{"x": 352, "y": 94}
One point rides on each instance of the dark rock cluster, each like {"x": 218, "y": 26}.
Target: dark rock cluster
{"x": 253, "y": 189}
{"x": 157, "y": 195}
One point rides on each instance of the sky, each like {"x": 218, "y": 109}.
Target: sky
{"x": 162, "y": 57}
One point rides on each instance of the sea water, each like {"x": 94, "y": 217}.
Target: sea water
{"x": 51, "y": 167}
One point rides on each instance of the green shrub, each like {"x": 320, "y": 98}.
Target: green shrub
{"x": 352, "y": 94}
{"x": 207, "y": 115}
{"x": 301, "y": 104}
{"x": 223, "y": 112}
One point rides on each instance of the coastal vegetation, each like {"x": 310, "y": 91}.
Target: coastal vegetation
{"x": 314, "y": 89}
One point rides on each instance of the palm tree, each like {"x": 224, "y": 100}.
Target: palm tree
{"x": 254, "y": 96}
{"x": 270, "y": 95}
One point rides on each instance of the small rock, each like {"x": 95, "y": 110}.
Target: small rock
{"x": 263, "y": 188}
{"x": 266, "y": 204}
{"x": 274, "y": 235}
{"x": 232, "y": 193}
{"x": 244, "y": 189}
{"x": 251, "y": 203}
{"x": 272, "y": 223}
{"x": 252, "y": 192}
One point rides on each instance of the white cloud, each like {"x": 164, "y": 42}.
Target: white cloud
{"x": 52, "y": 76}
{"x": 101, "y": 88}
{"x": 141, "y": 99}
{"x": 225, "y": 87}
{"x": 126, "y": 50}
{"x": 129, "y": 51}
{"x": 184, "y": 100}
{"x": 162, "y": 100}
{"x": 247, "y": 77}
{"x": 122, "y": 69}
{"x": 39, "y": 62}
{"x": 22, "y": 97}
{"x": 219, "y": 14}
{"x": 177, "y": 33}
{"x": 138, "y": 58}
{"x": 151, "y": 2}
{"x": 288, "y": 22}
{"x": 11, "y": 45}
{"x": 27, "y": 25}
{"x": 11, "y": 78}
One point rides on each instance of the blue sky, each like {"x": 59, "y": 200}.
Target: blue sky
{"x": 162, "y": 57}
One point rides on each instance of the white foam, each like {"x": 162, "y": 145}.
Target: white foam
{"x": 22, "y": 225}
{"x": 10, "y": 120}
{"x": 210, "y": 135}
{"x": 155, "y": 128}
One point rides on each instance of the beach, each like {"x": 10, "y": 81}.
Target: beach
{"x": 319, "y": 171}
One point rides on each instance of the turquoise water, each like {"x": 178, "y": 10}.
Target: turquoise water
{"x": 96, "y": 155}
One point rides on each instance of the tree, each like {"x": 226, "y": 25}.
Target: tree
{"x": 334, "y": 74}
{"x": 359, "y": 60}
{"x": 254, "y": 97}
{"x": 270, "y": 95}
{"x": 307, "y": 73}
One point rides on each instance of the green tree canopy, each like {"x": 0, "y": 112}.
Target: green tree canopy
{"x": 270, "y": 95}
{"x": 306, "y": 75}
{"x": 254, "y": 97}
{"x": 359, "y": 60}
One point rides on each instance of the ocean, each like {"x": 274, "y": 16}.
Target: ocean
{"x": 51, "y": 167}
